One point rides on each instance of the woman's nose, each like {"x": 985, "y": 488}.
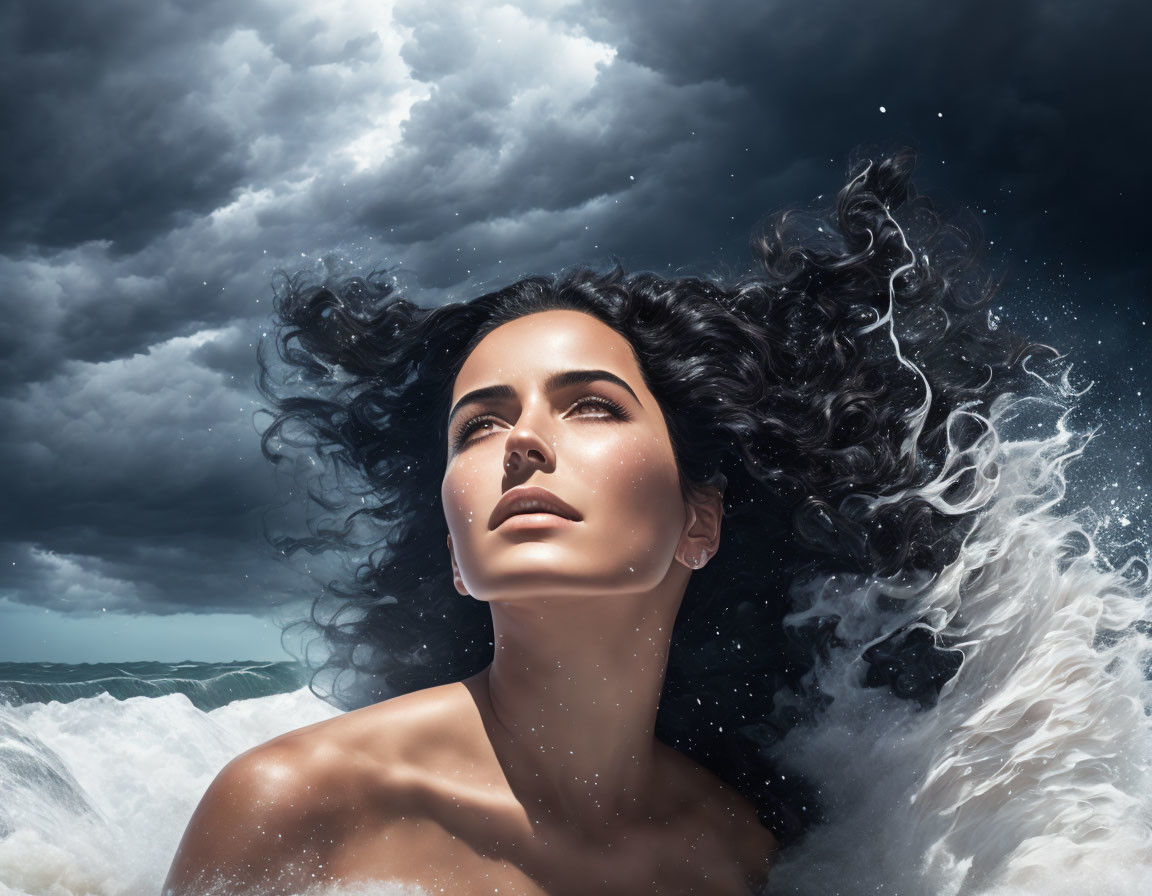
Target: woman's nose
{"x": 526, "y": 447}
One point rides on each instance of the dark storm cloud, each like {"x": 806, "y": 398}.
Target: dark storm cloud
{"x": 1045, "y": 100}
{"x": 134, "y": 472}
{"x": 132, "y": 120}
{"x": 162, "y": 161}
{"x": 156, "y": 156}
{"x": 115, "y": 138}
{"x": 629, "y": 144}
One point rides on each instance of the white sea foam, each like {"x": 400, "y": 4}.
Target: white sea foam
{"x": 1032, "y": 774}
{"x": 97, "y": 792}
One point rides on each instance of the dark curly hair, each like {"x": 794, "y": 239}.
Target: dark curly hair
{"x": 826, "y": 376}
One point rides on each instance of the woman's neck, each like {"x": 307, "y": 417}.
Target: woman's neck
{"x": 570, "y": 703}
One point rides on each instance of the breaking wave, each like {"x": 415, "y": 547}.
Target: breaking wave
{"x": 207, "y": 685}
{"x": 1033, "y": 773}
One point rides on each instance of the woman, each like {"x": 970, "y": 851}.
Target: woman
{"x": 618, "y": 476}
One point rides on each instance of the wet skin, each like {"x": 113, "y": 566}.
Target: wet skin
{"x": 541, "y": 774}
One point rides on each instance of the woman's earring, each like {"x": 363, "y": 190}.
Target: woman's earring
{"x": 697, "y": 561}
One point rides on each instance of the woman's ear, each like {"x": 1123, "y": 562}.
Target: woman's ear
{"x": 701, "y": 535}
{"x": 456, "y": 580}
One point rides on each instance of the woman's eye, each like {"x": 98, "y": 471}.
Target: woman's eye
{"x": 470, "y": 427}
{"x": 602, "y": 404}
{"x": 605, "y": 406}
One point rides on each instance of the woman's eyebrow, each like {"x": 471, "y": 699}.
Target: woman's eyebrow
{"x": 559, "y": 380}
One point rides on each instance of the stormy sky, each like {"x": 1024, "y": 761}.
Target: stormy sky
{"x": 162, "y": 160}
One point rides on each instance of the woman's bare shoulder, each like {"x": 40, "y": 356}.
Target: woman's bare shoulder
{"x": 275, "y": 813}
{"x": 262, "y": 806}
{"x": 381, "y": 739}
{"x": 374, "y": 753}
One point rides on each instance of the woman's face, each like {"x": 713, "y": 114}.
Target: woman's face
{"x": 596, "y": 440}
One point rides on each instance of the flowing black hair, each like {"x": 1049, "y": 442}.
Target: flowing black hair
{"x": 823, "y": 377}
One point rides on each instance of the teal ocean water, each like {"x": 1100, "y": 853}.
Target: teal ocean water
{"x": 207, "y": 685}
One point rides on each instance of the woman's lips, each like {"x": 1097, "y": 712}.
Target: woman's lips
{"x": 535, "y": 520}
{"x": 532, "y": 500}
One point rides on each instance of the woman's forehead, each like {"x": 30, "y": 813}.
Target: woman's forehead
{"x": 542, "y": 343}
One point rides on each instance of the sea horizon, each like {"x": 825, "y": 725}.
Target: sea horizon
{"x": 207, "y": 684}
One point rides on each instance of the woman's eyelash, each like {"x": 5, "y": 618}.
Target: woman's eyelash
{"x": 471, "y": 425}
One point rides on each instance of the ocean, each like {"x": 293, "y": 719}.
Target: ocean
{"x": 207, "y": 685}
{"x": 102, "y": 764}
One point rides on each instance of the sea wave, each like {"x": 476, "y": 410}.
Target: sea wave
{"x": 96, "y": 792}
{"x": 1033, "y": 773}
{"x": 208, "y": 685}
